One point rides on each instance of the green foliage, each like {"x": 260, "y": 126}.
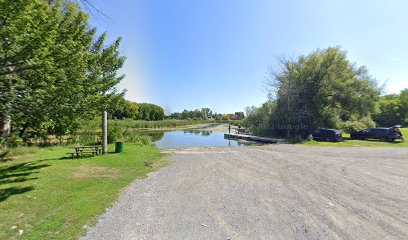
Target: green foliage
{"x": 115, "y": 133}
{"x": 393, "y": 109}
{"x": 14, "y": 141}
{"x": 356, "y": 124}
{"x": 137, "y": 111}
{"x": 403, "y": 108}
{"x": 53, "y": 68}
{"x": 320, "y": 90}
{"x": 87, "y": 138}
{"x": 259, "y": 121}
{"x": 136, "y": 137}
{"x": 237, "y": 123}
{"x": 150, "y": 112}
{"x": 206, "y": 113}
{"x": 196, "y": 114}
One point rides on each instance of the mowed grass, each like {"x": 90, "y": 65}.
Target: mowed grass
{"x": 361, "y": 143}
{"x": 46, "y": 196}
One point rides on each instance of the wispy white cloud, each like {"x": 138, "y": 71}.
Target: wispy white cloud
{"x": 394, "y": 60}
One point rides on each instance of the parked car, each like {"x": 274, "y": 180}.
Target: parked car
{"x": 382, "y": 133}
{"x": 328, "y": 135}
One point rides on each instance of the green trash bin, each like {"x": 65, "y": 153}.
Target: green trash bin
{"x": 119, "y": 145}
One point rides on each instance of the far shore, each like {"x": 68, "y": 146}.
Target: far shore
{"x": 204, "y": 126}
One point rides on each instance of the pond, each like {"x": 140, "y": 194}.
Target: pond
{"x": 193, "y": 138}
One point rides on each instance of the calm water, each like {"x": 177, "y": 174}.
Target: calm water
{"x": 193, "y": 138}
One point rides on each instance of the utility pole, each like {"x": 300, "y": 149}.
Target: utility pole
{"x": 104, "y": 132}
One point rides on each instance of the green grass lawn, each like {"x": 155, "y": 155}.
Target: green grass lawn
{"x": 46, "y": 196}
{"x": 361, "y": 143}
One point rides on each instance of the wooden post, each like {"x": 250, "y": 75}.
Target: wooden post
{"x": 104, "y": 132}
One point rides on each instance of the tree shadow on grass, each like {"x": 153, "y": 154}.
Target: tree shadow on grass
{"x": 7, "y": 192}
{"x": 18, "y": 174}
{"x": 77, "y": 158}
{"x": 3, "y": 156}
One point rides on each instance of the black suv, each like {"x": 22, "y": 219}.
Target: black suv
{"x": 382, "y": 133}
{"x": 328, "y": 135}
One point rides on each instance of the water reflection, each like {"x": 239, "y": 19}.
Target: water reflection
{"x": 155, "y": 135}
{"x": 198, "y": 132}
{"x": 192, "y": 138}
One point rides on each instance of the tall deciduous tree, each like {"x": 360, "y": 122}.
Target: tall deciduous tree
{"x": 322, "y": 89}
{"x": 53, "y": 69}
{"x": 23, "y": 30}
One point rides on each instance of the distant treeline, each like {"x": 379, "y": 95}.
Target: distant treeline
{"x": 324, "y": 90}
{"x": 137, "y": 111}
{"x": 205, "y": 113}
{"x": 125, "y": 109}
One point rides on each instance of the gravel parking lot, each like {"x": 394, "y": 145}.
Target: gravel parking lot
{"x": 267, "y": 192}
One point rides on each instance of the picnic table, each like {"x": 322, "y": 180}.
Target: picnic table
{"x": 79, "y": 150}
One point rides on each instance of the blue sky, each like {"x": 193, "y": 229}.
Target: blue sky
{"x": 215, "y": 53}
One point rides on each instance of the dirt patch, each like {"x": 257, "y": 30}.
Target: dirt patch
{"x": 88, "y": 172}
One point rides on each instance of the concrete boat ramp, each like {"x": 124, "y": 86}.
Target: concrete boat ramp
{"x": 250, "y": 138}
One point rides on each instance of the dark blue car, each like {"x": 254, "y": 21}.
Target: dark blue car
{"x": 381, "y": 133}
{"x": 328, "y": 135}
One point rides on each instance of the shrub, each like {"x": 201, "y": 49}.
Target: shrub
{"x": 141, "y": 140}
{"x": 13, "y": 141}
{"x": 357, "y": 125}
{"x": 114, "y": 133}
{"x": 134, "y": 137}
{"x": 86, "y": 138}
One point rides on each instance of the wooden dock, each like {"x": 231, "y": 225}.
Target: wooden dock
{"x": 250, "y": 138}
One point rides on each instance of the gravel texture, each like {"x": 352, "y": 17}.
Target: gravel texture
{"x": 268, "y": 192}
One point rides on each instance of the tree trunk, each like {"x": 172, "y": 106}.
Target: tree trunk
{"x": 6, "y": 129}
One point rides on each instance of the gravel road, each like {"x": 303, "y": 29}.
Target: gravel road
{"x": 267, "y": 192}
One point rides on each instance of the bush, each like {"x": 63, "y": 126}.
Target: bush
{"x": 86, "y": 138}
{"x": 139, "y": 139}
{"x": 114, "y": 133}
{"x": 259, "y": 121}
{"x": 357, "y": 125}
{"x": 13, "y": 141}
{"x": 134, "y": 137}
